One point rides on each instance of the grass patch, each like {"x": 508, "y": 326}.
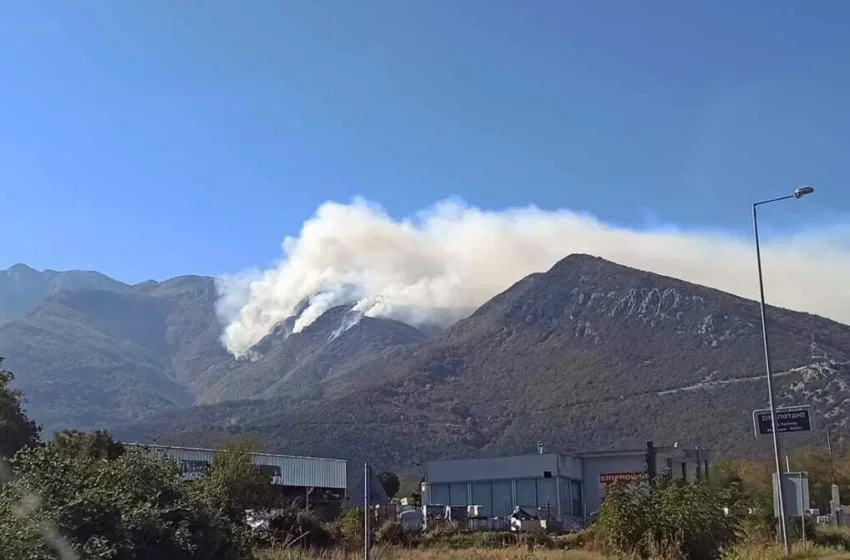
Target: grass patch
{"x": 746, "y": 552}
{"x": 835, "y": 537}
{"x": 798, "y": 552}
{"x": 389, "y": 553}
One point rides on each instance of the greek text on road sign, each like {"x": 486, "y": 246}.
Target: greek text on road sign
{"x": 788, "y": 420}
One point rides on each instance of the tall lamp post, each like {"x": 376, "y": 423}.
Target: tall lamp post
{"x": 799, "y": 193}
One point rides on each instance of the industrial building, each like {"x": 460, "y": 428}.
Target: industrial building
{"x": 553, "y": 485}
{"x": 313, "y": 482}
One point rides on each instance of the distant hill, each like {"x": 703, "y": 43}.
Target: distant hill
{"x": 86, "y": 358}
{"x": 22, "y": 287}
{"x": 588, "y": 355}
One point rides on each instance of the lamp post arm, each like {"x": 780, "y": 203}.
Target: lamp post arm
{"x": 774, "y": 200}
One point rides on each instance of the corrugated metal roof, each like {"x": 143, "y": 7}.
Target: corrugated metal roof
{"x": 287, "y": 470}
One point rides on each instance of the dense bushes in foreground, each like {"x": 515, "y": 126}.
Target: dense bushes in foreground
{"x": 668, "y": 520}
{"x": 124, "y": 507}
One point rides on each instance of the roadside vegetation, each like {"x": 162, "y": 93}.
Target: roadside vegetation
{"x": 82, "y": 495}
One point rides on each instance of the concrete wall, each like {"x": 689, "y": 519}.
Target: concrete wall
{"x": 570, "y": 466}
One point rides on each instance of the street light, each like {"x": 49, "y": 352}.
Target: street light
{"x": 799, "y": 193}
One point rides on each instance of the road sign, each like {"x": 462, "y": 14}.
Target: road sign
{"x": 789, "y": 419}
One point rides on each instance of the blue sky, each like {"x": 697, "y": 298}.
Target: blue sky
{"x": 150, "y": 139}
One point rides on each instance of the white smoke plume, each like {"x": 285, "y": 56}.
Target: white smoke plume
{"x": 439, "y": 264}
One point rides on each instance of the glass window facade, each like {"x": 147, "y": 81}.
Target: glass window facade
{"x": 498, "y": 498}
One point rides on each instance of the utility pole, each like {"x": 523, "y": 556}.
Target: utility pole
{"x": 802, "y": 512}
{"x": 366, "y": 540}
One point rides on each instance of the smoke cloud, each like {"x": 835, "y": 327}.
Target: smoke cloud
{"x": 438, "y": 265}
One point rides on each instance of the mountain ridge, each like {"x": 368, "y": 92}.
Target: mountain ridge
{"x": 589, "y": 354}
{"x": 22, "y": 286}
{"x": 88, "y": 357}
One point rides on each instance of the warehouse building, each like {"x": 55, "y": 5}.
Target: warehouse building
{"x": 553, "y": 485}
{"x": 310, "y": 481}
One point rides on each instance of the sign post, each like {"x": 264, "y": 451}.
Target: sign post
{"x": 790, "y": 419}
{"x": 367, "y": 472}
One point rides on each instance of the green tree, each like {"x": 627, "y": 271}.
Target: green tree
{"x": 390, "y": 482}
{"x": 233, "y": 484}
{"x": 16, "y": 430}
{"x": 126, "y": 508}
{"x": 96, "y": 445}
{"x": 822, "y": 472}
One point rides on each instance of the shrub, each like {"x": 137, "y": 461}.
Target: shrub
{"x": 393, "y": 533}
{"x": 440, "y": 527}
{"x": 669, "y": 520}
{"x": 348, "y": 529}
{"x": 128, "y": 507}
{"x": 294, "y": 527}
{"x": 494, "y": 539}
{"x": 571, "y": 540}
{"x": 536, "y": 539}
{"x": 832, "y": 537}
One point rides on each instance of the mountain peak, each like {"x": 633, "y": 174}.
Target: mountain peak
{"x": 21, "y": 286}
{"x": 20, "y": 268}
{"x": 590, "y": 261}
